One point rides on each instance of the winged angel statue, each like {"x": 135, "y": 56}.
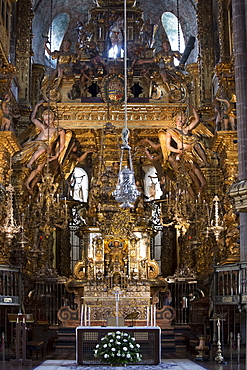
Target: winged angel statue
{"x": 182, "y": 147}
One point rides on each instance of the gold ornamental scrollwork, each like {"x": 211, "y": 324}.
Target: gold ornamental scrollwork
{"x": 153, "y": 269}
{"x": 79, "y": 270}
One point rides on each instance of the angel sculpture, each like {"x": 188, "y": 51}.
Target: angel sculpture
{"x": 47, "y": 145}
{"x": 182, "y": 145}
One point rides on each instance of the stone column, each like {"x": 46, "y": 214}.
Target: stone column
{"x": 240, "y": 59}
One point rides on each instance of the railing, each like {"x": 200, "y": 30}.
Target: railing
{"x": 182, "y": 291}
{"x": 10, "y": 289}
{"x": 230, "y": 284}
{"x": 47, "y": 298}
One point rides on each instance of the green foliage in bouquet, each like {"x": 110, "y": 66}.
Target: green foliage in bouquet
{"x": 118, "y": 348}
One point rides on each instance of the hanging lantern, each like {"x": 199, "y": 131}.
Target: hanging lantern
{"x": 126, "y": 191}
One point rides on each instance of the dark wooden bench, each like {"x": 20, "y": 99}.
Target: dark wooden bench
{"x": 35, "y": 345}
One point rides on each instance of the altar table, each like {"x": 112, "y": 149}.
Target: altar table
{"x": 87, "y": 337}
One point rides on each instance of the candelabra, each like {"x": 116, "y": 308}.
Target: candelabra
{"x": 10, "y": 227}
{"x": 216, "y": 225}
{"x": 219, "y": 317}
{"x": 49, "y": 210}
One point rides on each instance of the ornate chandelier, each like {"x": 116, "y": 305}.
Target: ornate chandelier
{"x": 126, "y": 191}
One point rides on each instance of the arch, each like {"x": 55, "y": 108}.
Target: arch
{"x": 170, "y": 24}
{"x": 56, "y": 34}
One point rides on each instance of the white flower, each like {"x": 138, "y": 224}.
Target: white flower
{"x": 118, "y": 337}
{"x": 95, "y": 352}
{"x": 111, "y": 340}
{"x": 105, "y": 345}
{"x": 137, "y": 345}
{"x": 131, "y": 346}
{"x": 113, "y": 349}
{"x": 125, "y": 349}
{"x": 102, "y": 338}
{"x": 109, "y": 334}
{"x": 106, "y": 355}
{"x": 97, "y": 346}
{"x": 128, "y": 355}
{"x": 119, "y": 343}
{"x": 125, "y": 334}
{"x": 125, "y": 340}
{"x": 118, "y": 354}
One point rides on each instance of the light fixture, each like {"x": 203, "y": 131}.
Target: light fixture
{"x": 217, "y": 225}
{"x": 126, "y": 191}
{"x": 49, "y": 211}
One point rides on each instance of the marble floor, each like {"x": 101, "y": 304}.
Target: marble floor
{"x": 169, "y": 364}
{"x": 173, "y": 364}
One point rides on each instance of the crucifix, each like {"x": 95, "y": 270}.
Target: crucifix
{"x": 117, "y": 298}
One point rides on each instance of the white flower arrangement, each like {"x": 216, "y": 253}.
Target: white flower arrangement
{"x": 118, "y": 348}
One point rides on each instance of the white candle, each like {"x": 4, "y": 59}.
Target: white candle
{"x": 81, "y": 314}
{"x": 154, "y": 315}
{"x": 89, "y": 315}
{"x": 85, "y": 315}
{"x": 151, "y": 318}
{"x": 147, "y": 315}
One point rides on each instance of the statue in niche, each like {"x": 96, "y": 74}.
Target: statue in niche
{"x": 229, "y": 112}
{"x": 7, "y": 114}
{"x": 84, "y": 35}
{"x": 116, "y": 39}
{"x": 115, "y": 256}
{"x": 148, "y": 31}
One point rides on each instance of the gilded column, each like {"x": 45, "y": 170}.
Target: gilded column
{"x": 224, "y": 31}
{"x": 205, "y": 47}
{"x": 8, "y": 147}
{"x": 23, "y": 49}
